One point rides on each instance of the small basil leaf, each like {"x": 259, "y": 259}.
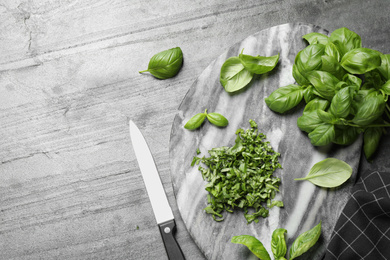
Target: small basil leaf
{"x": 317, "y": 103}
{"x": 309, "y": 121}
{"x": 217, "y": 119}
{"x": 299, "y": 78}
{"x": 328, "y": 173}
{"x": 345, "y": 135}
{"x": 314, "y": 37}
{"x": 332, "y": 51}
{"x": 322, "y": 135}
{"x": 324, "y": 82}
{"x": 309, "y": 58}
{"x": 369, "y": 110}
{"x": 195, "y": 121}
{"x": 341, "y": 103}
{"x": 233, "y": 75}
{"x": 165, "y": 64}
{"x": 253, "y": 245}
{"x": 308, "y": 93}
{"x": 326, "y": 117}
{"x": 352, "y": 80}
{"x": 345, "y": 40}
{"x": 386, "y": 87}
{"x": 331, "y": 65}
{"x": 305, "y": 241}
{"x": 361, "y": 60}
{"x": 371, "y": 139}
{"x": 285, "y": 98}
{"x": 278, "y": 243}
{"x": 259, "y": 64}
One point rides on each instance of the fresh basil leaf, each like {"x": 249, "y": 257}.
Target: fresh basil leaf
{"x": 217, "y": 119}
{"x": 324, "y": 83}
{"x": 331, "y": 65}
{"x": 233, "y": 75}
{"x": 370, "y": 109}
{"x": 278, "y": 243}
{"x": 317, "y": 103}
{"x": 308, "y": 93}
{"x": 314, "y": 37}
{"x": 326, "y": 117}
{"x": 253, "y": 245}
{"x": 259, "y": 64}
{"x": 165, "y": 64}
{"x": 305, "y": 241}
{"x": 309, "y": 58}
{"x": 345, "y": 135}
{"x": 352, "y": 80}
{"x": 361, "y": 60}
{"x": 386, "y": 87}
{"x": 299, "y": 78}
{"x": 332, "y": 51}
{"x": 285, "y": 98}
{"x": 329, "y": 173}
{"x": 309, "y": 121}
{"x": 371, "y": 139}
{"x": 341, "y": 103}
{"x": 195, "y": 121}
{"x": 384, "y": 68}
{"x": 322, "y": 135}
{"x": 345, "y": 40}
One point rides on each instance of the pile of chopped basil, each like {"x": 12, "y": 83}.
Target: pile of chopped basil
{"x": 241, "y": 176}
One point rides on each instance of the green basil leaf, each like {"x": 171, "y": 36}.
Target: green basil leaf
{"x": 345, "y": 40}
{"x": 352, "y": 80}
{"x": 278, "y": 243}
{"x": 371, "y": 139}
{"x": 331, "y": 65}
{"x": 332, "y": 51}
{"x": 309, "y": 58}
{"x": 329, "y": 173}
{"x": 308, "y": 93}
{"x": 195, "y": 121}
{"x": 259, "y": 64}
{"x": 384, "y": 68}
{"x": 345, "y": 135}
{"x": 373, "y": 79}
{"x": 322, "y": 135}
{"x": 305, "y": 241}
{"x": 299, "y": 78}
{"x": 341, "y": 103}
{"x": 386, "y": 87}
{"x": 361, "y": 60}
{"x": 326, "y": 117}
{"x": 324, "y": 83}
{"x": 314, "y": 37}
{"x": 317, "y": 103}
{"x": 165, "y": 64}
{"x": 253, "y": 245}
{"x": 309, "y": 121}
{"x": 233, "y": 75}
{"x": 285, "y": 98}
{"x": 217, "y": 119}
{"x": 370, "y": 109}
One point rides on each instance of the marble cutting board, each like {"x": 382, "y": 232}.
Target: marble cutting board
{"x": 305, "y": 204}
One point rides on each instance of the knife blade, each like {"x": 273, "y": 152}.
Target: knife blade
{"x": 160, "y": 205}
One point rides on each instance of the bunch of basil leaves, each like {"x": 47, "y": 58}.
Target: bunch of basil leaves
{"x": 345, "y": 87}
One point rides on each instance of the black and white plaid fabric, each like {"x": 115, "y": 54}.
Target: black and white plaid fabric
{"x": 363, "y": 229}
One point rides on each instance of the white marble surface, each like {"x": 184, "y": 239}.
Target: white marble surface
{"x": 304, "y": 204}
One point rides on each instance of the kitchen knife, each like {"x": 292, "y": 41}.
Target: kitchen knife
{"x": 161, "y": 209}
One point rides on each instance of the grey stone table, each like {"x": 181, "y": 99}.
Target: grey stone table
{"x": 70, "y": 187}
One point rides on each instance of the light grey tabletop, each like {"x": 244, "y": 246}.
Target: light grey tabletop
{"x": 70, "y": 186}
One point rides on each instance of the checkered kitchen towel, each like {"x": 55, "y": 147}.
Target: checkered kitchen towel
{"x": 363, "y": 229}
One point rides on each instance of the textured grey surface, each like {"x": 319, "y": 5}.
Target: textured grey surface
{"x": 69, "y": 82}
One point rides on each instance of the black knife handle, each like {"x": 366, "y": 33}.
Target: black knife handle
{"x": 167, "y": 230}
